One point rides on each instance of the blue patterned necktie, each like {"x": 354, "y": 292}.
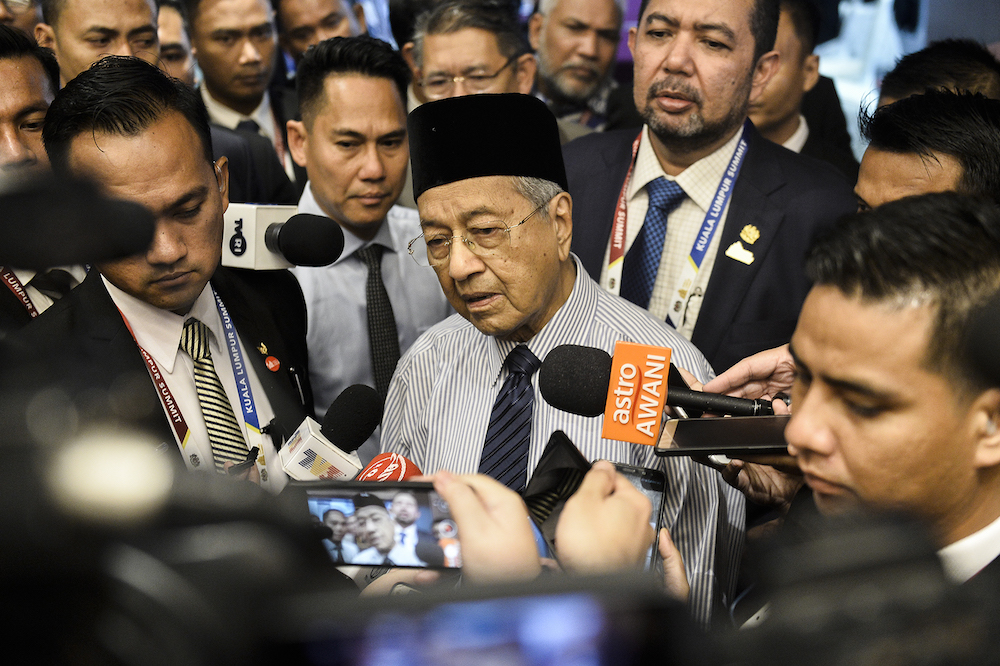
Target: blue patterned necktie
{"x": 505, "y": 453}
{"x": 643, "y": 259}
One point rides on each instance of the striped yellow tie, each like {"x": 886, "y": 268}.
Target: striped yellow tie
{"x": 224, "y": 431}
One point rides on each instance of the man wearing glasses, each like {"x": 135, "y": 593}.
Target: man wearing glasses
{"x": 21, "y": 14}
{"x": 469, "y": 47}
{"x": 374, "y": 301}
{"x": 497, "y": 225}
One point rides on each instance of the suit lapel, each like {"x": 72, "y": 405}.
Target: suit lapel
{"x": 751, "y": 209}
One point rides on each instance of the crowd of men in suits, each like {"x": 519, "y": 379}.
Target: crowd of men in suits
{"x": 501, "y": 194}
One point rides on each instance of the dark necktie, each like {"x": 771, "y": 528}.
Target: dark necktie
{"x": 224, "y": 431}
{"x": 382, "y": 335}
{"x": 643, "y": 259}
{"x": 248, "y": 126}
{"x": 505, "y": 453}
{"x": 54, "y": 283}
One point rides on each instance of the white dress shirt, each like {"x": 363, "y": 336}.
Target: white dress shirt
{"x": 159, "y": 333}
{"x": 336, "y": 306}
{"x": 966, "y": 557}
{"x": 38, "y": 299}
{"x": 699, "y": 182}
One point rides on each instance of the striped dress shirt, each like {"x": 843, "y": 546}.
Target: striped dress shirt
{"x": 439, "y": 404}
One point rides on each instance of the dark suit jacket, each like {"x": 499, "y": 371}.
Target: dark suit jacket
{"x": 818, "y": 147}
{"x": 788, "y": 197}
{"x": 13, "y": 315}
{"x": 255, "y": 174}
{"x": 82, "y": 347}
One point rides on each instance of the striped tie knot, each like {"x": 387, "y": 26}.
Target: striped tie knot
{"x": 521, "y": 360}
{"x": 194, "y": 339}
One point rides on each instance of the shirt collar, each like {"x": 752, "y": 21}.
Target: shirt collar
{"x": 799, "y": 137}
{"x": 966, "y": 557}
{"x": 699, "y": 181}
{"x": 158, "y": 331}
{"x": 223, "y": 115}
{"x": 24, "y": 276}
{"x": 308, "y": 204}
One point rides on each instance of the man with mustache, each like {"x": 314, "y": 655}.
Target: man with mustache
{"x": 352, "y": 142}
{"x": 698, "y": 218}
{"x": 575, "y": 43}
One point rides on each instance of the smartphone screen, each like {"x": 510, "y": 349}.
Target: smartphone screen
{"x": 403, "y": 524}
{"x": 650, "y": 482}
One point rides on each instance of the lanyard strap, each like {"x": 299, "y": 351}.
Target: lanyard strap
{"x": 247, "y": 405}
{"x": 18, "y": 290}
{"x": 689, "y": 272}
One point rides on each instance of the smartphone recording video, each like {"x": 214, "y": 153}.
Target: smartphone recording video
{"x": 402, "y": 524}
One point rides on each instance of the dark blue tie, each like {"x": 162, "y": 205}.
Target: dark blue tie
{"x": 643, "y": 259}
{"x": 505, "y": 453}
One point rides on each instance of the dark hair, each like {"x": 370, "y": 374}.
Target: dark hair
{"x": 494, "y": 16}
{"x": 403, "y": 15}
{"x": 15, "y": 44}
{"x": 329, "y": 511}
{"x": 958, "y": 65}
{"x": 805, "y": 20}
{"x": 937, "y": 249}
{"x": 763, "y": 24}
{"x": 964, "y": 126}
{"x": 119, "y": 95}
{"x": 363, "y": 55}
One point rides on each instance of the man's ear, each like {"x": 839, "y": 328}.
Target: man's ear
{"x": 359, "y": 14}
{"x": 810, "y": 72}
{"x": 45, "y": 35}
{"x": 986, "y": 426}
{"x": 298, "y": 140}
{"x": 766, "y": 68}
{"x": 222, "y": 178}
{"x": 527, "y": 67}
{"x": 561, "y": 215}
{"x": 535, "y": 29}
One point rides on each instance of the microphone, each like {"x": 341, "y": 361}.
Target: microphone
{"x": 578, "y": 380}
{"x": 389, "y": 467}
{"x": 328, "y": 452}
{"x": 52, "y": 221}
{"x": 261, "y": 238}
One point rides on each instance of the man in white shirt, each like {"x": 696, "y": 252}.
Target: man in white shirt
{"x": 31, "y": 79}
{"x": 719, "y": 252}
{"x": 777, "y": 113}
{"x": 235, "y": 42}
{"x": 352, "y": 142}
{"x": 128, "y": 345}
{"x": 890, "y": 410}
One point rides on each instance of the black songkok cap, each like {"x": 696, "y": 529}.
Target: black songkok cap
{"x": 484, "y": 135}
{"x": 364, "y": 499}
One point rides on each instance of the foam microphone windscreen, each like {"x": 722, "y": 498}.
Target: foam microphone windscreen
{"x": 310, "y": 240}
{"x": 352, "y": 417}
{"x": 575, "y": 379}
{"x": 50, "y": 221}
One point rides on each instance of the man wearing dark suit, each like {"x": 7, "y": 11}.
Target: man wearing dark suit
{"x": 31, "y": 77}
{"x": 696, "y": 71}
{"x": 128, "y": 345}
{"x": 778, "y": 113}
{"x": 236, "y": 46}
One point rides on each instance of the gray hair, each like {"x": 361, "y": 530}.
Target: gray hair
{"x": 537, "y": 191}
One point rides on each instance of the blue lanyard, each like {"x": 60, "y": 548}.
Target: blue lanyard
{"x": 239, "y": 364}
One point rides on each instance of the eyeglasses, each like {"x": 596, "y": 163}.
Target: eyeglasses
{"x": 490, "y": 240}
{"x": 439, "y": 86}
{"x": 18, "y": 6}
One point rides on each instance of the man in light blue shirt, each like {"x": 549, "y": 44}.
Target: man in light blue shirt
{"x": 352, "y": 141}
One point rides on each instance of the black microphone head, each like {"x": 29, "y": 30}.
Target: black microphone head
{"x": 310, "y": 240}
{"x": 575, "y": 379}
{"x": 52, "y": 221}
{"x": 352, "y": 417}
